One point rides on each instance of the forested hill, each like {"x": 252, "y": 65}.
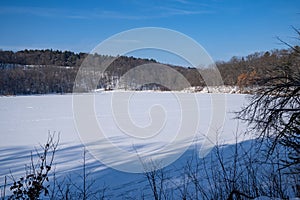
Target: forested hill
{"x": 42, "y": 57}
{"x": 49, "y": 71}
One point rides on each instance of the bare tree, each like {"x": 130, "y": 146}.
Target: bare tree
{"x": 274, "y": 112}
{"x": 85, "y": 189}
{"x": 157, "y": 178}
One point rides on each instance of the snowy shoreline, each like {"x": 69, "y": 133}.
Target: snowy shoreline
{"x": 196, "y": 90}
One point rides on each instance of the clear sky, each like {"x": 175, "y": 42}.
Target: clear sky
{"x": 225, "y": 28}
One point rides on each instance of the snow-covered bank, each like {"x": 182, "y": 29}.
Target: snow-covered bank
{"x": 225, "y": 89}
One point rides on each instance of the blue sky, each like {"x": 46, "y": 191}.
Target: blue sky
{"x": 224, "y": 28}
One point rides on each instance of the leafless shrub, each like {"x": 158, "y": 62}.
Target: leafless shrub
{"x": 35, "y": 182}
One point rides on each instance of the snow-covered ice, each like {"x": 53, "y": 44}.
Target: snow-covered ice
{"x": 25, "y": 122}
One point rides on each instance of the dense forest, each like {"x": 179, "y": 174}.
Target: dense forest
{"x": 53, "y": 71}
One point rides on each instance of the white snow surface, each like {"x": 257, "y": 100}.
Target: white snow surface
{"x": 25, "y": 122}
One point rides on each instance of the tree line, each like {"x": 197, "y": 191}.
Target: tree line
{"x": 52, "y": 71}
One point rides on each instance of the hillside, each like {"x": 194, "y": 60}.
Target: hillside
{"x": 49, "y": 71}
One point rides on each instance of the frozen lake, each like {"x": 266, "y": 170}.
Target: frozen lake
{"x": 25, "y": 122}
